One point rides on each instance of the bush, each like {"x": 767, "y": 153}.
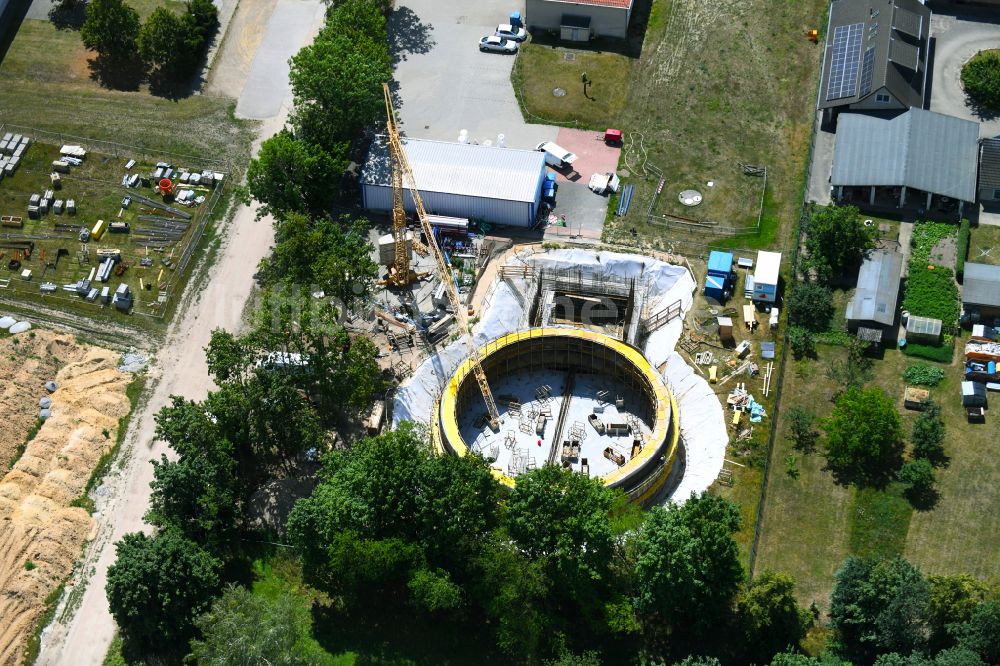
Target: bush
{"x": 923, "y": 374}
{"x": 811, "y": 306}
{"x": 802, "y": 341}
{"x": 801, "y": 428}
{"x": 962, "y": 250}
{"x": 835, "y": 338}
{"x": 981, "y": 78}
{"x": 940, "y": 354}
{"x": 927, "y": 436}
{"x": 918, "y": 475}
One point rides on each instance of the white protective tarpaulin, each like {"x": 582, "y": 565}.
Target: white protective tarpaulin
{"x": 703, "y": 426}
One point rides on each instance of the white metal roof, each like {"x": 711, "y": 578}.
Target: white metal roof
{"x": 768, "y": 267}
{"x": 464, "y": 169}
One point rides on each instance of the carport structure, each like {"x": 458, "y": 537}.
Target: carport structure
{"x": 918, "y": 153}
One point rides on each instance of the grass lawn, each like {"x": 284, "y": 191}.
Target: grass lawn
{"x": 811, "y": 524}
{"x": 983, "y": 239}
{"x": 47, "y": 84}
{"x": 541, "y": 68}
{"x": 719, "y": 84}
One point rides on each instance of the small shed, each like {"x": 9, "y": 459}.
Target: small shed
{"x": 765, "y": 277}
{"x": 725, "y": 328}
{"x": 874, "y": 302}
{"x": 973, "y": 394}
{"x": 718, "y": 282}
{"x": 923, "y": 330}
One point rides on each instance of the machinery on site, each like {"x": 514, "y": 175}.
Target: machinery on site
{"x": 400, "y": 273}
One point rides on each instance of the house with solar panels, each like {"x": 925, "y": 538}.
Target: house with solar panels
{"x": 989, "y": 170}
{"x": 876, "y": 56}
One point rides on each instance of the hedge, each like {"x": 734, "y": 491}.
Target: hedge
{"x": 962, "y": 250}
{"x": 941, "y": 354}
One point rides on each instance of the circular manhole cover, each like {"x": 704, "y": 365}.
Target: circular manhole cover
{"x": 558, "y": 92}
{"x": 690, "y": 197}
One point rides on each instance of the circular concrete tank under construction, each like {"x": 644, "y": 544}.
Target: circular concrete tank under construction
{"x": 569, "y": 397}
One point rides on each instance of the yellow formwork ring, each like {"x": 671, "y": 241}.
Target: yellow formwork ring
{"x": 446, "y": 434}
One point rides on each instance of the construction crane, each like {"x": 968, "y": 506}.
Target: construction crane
{"x": 401, "y": 268}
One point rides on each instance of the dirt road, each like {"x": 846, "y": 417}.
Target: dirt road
{"x": 81, "y": 637}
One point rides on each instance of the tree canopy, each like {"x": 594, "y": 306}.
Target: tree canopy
{"x": 810, "y": 305}
{"x": 981, "y": 79}
{"x": 878, "y": 606}
{"x": 157, "y": 586}
{"x": 244, "y": 628}
{"x": 864, "y": 437}
{"x": 770, "y": 616}
{"x": 111, "y": 28}
{"x": 293, "y": 175}
{"x": 687, "y": 564}
{"x": 836, "y": 239}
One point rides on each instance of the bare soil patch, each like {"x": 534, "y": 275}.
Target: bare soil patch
{"x": 41, "y": 534}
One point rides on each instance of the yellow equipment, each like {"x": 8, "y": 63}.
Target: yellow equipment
{"x": 401, "y": 269}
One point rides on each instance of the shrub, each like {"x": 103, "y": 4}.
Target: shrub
{"x": 923, "y": 374}
{"x": 918, "y": 475}
{"x": 962, "y": 250}
{"x": 981, "y": 78}
{"x": 927, "y": 436}
{"x": 811, "y": 306}
{"x": 801, "y": 428}
{"x": 941, "y": 354}
{"x": 802, "y": 341}
{"x": 835, "y": 338}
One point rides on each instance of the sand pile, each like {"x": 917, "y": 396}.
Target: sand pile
{"x": 36, "y": 522}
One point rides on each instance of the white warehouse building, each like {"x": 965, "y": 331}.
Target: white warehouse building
{"x": 487, "y": 183}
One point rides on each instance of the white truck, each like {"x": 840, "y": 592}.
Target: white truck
{"x": 556, "y": 155}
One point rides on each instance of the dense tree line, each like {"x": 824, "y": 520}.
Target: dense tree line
{"x": 167, "y": 45}
{"x": 337, "y": 87}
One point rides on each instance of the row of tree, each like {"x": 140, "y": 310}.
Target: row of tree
{"x": 167, "y": 44}
{"x": 337, "y": 86}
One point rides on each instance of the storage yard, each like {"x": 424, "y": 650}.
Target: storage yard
{"x": 94, "y": 233}
{"x": 38, "y": 523}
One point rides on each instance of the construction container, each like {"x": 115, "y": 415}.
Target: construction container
{"x": 60, "y": 166}
{"x": 106, "y": 295}
{"x": 387, "y": 248}
{"x": 57, "y": 206}
{"x": 33, "y": 213}
{"x": 71, "y": 206}
{"x": 98, "y": 230}
{"x": 56, "y": 180}
{"x": 119, "y": 227}
{"x": 43, "y": 206}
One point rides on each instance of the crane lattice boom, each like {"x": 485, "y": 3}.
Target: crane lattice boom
{"x": 402, "y": 163}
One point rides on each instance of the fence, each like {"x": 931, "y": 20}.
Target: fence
{"x": 134, "y": 152}
{"x": 119, "y": 150}
{"x": 762, "y": 495}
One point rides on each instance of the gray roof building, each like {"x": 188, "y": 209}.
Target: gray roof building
{"x": 874, "y": 301}
{"x": 981, "y": 285}
{"x": 876, "y": 55}
{"x": 489, "y": 183}
{"x": 918, "y": 149}
{"x": 989, "y": 169}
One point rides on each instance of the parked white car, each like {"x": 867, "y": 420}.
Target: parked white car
{"x": 494, "y": 44}
{"x": 507, "y": 31}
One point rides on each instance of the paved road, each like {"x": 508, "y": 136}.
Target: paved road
{"x": 446, "y": 84}
{"x": 958, "y": 36}
{"x": 291, "y": 26}
{"x": 83, "y": 639}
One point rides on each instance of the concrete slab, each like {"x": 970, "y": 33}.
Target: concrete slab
{"x": 290, "y": 27}
{"x": 959, "y": 32}
{"x": 446, "y": 84}
{"x": 537, "y": 447}
{"x": 592, "y": 153}
{"x": 582, "y": 211}
{"x": 822, "y": 166}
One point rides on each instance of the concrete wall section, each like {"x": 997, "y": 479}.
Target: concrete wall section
{"x": 604, "y": 21}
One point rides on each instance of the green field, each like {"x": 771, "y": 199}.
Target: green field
{"x": 717, "y": 85}
{"x": 984, "y": 245}
{"x": 811, "y": 523}
{"x": 49, "y": 84}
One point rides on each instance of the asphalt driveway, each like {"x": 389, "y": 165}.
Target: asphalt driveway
{"x": 445, "y": 83}
{"x": 959, "y": 32}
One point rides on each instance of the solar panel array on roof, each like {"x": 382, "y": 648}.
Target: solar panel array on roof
{"x": 907, "y": 22}
{"x": 904, "y": 54}
{"x": 847, "y": 41}
{"x": 867, "y": 70}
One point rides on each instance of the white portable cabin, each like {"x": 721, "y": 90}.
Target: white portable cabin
{"x": 765, "y": 276}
